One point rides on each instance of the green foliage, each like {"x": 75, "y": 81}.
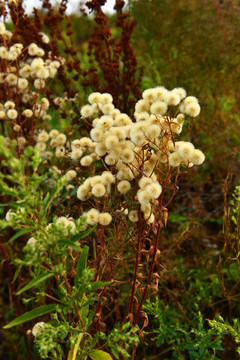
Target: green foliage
{"x": 121, "y": 339}
{"x": 181, "y": 334}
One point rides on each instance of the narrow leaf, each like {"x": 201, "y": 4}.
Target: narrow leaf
{"x": 34, "y": 282}
{"x": 82, "y": 263}
{"x": 99, "y": 284}
{"x": 70, "y": 244}
{"x": 41, "y": 310}
{"x": 99, "y": 355}
{"x": 20, "y": 233}
{"x": 83, "y": 234}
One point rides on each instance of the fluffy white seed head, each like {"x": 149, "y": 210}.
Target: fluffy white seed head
{"x": 86, "y": 160}
{"x": 143, "y": 197}
{"x": 158, "y": 108}
{"x": 111, "y": 141}
{"x": 92, "y": 217}
{"x": 104, "y": 219}
{"x": 174, "y": 159}
{"x": 133, "y": 216}
{"x": 154, "y": 190}
{"x": 82, "y": 193}
{"x": 96, "y": 134}
{"x": 76, "y": 154}
{"x": 71, "y": 175}
{"x": 94, "y": 98}
{"x": 106, "y": 98}
{"x": 124, "y": 186}
{"x": 108, "y": 177}
{"x": 38, "y": 327}
{"x": 197, "y": 157}
{"x": 12, "y": 114}
{"x": 193, "y": 109}
{"x": 185, "y": 149}
{"x": 87, "y": 111}
{"x": 98, "y": 190}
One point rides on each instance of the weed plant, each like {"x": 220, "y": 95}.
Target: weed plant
{"x": 94, "y": 267}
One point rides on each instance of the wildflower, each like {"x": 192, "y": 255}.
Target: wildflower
{"x": 108, "y": 177}
{"x": 32, "y": 49}
{"x": 181, "y": 92}
{"x": 41, "y": 146}
{"x": 133, "y": 215}
{"x": 60, "y": 151}
{"x": 9, "y": 105}
{"x": 76, "y": 154}
{"x": 96, "y": 134}
{"x": 2, "y": 28}
{"x": 92, "y": 217}
{"x": 45, "y": 103}
{"x": 158, "y": 108}
{"x": 43, "y": 136}
{"x": 173, "y": 98}
{"x": 11, "y": 79}
{"x": 197, "y": 157}
{"x": 32, "y": 242}
{"x": 17, "y": 128}
{"x": 193, "y": 109}
{"x": 122, "y": 120}
{"x": 142, "y": 106}
{"x": 160, "y": 93}
{"x": 127, "y": 155}
{"x": 124, "y": 186}
{"x": 12, "y": 114}
{"x": 94, "y": 98}
{"x": 38, "y": 327}
{"x": 153, "y": 131}
{"x": 107, "y": 108}
{"x": 61, "y": 139}
{"x": 45, "y": 38}
{"x": 39, "y": 84}
{"x": 85, "y": 142}
{"x": 143, "y": 197}
{"x": 22, "y": 83}
{"x": 37, "y": 64}
{"x": 28, "y": 113}
{"x": 10, "y": 215}
{"x": 53, "y": 133}
{"x": 105, "y": 122}
{"x": 106, "y": 98}
{"x": 174, "y": 159}
{"x": 43, "y": 73}
{"x": 104, "y": 219}
{"x": 86, "y": 160}
{"x": 100, "y": 149}
{"x": 71, "y": 175}
{"x": 185, "y": 149}
{"x": 87, "y": 111}
{"x": 154, "y": 190}
{"x": 82, "y": 193}
{"x": 98, "y": 190}
{"x": 66, "y": 225}
{"x": 144, "y": 181}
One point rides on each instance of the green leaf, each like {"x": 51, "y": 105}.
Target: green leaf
{"x": 83, "y": 234}
{"x": 34, "y": 282}
{"x": 20, "y": 233}
{"x": 41, "y": 310}
{"x": 100, "y": 284}
{"x": 17, "y": 273}
{"x": 99, "y": 355}
{"x": 70, "y": 244}
{"x": 82, "y": 263}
